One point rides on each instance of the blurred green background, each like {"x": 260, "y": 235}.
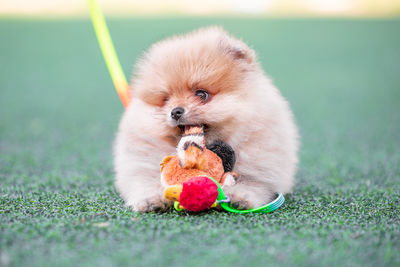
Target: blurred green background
{"x": 59, "y": 113}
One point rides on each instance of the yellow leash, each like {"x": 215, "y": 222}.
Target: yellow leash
{"x": 109, "y": 54}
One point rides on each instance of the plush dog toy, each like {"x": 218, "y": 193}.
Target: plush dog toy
{"x": 185, "y": 175}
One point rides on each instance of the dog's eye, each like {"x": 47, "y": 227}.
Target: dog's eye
{"x": 203, "y": 94}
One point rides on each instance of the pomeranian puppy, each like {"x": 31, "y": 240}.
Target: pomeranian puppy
{"x": 209, "y": 78}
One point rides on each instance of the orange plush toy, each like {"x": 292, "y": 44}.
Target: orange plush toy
{"x": 184, "y": 175}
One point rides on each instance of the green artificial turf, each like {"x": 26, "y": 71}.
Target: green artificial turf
{"x": 59, "y": 114}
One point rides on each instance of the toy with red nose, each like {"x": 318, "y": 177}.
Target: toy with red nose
{"x": 185, "y": 175}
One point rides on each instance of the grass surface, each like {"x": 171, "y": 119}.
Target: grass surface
{"x": 59, "y": 113}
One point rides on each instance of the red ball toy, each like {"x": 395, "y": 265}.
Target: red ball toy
{"x": 198, "y": 194}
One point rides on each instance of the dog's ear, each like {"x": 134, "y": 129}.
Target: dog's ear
{"x": 244, "y": 54}
{"x": 237, "y": 49}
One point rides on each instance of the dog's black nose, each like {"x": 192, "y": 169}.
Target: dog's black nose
{"x": 176, "y": 113}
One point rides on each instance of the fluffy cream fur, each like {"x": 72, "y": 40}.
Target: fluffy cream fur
{"x": 244, "y": 109}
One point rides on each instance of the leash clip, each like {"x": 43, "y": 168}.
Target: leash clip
{"x": 226, "y": 200}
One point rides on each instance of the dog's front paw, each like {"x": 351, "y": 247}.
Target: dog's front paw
{"x": 239, "y": 201}
{"x": 154, "y": 203}
{"x": 246, "y": 197}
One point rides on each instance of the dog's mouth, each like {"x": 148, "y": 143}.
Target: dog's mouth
{"x": 185, "y": 127}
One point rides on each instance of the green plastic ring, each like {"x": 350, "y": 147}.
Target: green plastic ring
{"x": 275, "y": 204}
